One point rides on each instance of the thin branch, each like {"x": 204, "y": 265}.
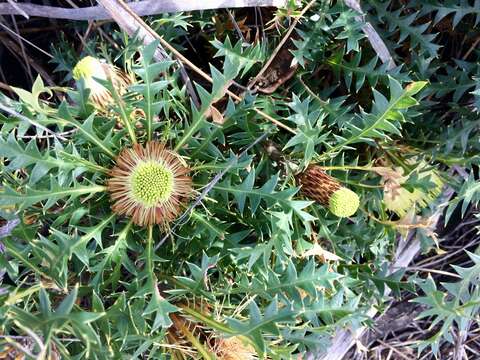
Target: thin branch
{"x": 15, "y": 50}
{"x": 235, "y": 25}
{"x": 375, "y": 40}
{"x": 17, "y": 34}
{"x": 142, "y": 8}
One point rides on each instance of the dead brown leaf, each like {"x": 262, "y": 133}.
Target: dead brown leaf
{"x": 321, "y": 253}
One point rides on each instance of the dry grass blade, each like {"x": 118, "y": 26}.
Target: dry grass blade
{"x": 15, "y": 50}
{"x": 16, "y": 34}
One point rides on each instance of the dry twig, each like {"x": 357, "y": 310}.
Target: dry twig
{"x": 145, "y": 7}
{"x": 375, "y": 40}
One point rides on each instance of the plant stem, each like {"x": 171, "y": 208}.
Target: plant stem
{"x": 123, "y": 114}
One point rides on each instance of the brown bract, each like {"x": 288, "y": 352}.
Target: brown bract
{"x": 317, "y": 185}
{"x": 126, "y": 202}
{"x": 120, "y": 81}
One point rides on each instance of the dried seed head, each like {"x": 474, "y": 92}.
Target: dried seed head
{"x": 324, "y": 189}
{"x": 149, "y": 184}
{"x": 234, "y": 348}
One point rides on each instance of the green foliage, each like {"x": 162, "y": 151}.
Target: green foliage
{"x": 459, "y": 9}
{"x": 150, "y": 102}
{"x": 244, "y": 57}
{"x": 468, "y": 195}
{"x": 370, "y": 71}
{"x": 417, "y": 35}
{"x": 385, "y": 118}
{"x": 309, "y": 127}
{"x": 54, "y": 193}
{"x": 457, "y": 305}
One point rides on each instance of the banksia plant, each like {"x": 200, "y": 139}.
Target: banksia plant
{"x": 327, "y": 191}
{"x": 90, "y": 70}
{"x": 178, "y": 187}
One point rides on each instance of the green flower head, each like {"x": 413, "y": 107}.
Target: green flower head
{"x": 343, "y": 202}
{"x": 151, "y": 183}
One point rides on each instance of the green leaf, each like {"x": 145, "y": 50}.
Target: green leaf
{"x": 459, "y": 8}
{"x": 469, "y": 194}
{"x": 67, "y": 304}
{"x": 32, "y": 196}
{"x": 420, "y": 37}
{"x": 21, "y": 157}
{"x": 162, "y": 308}
{"x": 385, "y": 118}
{"x": 45, "y": 305}
{"x": 244, "y": 55}
{"x": 110, "y": 255}
{"x": 258, "y": 323}
{"x": 32, "y": 99}
{"x": 266, "y": 194}
{"x": 355, "y": 73}
{"x": 219, "y": 86}
{"x": 149, "y": 71}
{"x": 309, "y": 129}
{"x": 86, "y": 130}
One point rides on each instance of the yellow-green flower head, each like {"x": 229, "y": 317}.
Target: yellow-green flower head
{"x": 343, "y": 202}
{"x": 151, "y": 183}
{"x": 89, "y": 68}
{"x": 400, "y": 200}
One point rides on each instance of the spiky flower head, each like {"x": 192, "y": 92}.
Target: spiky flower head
{"x": 90, "y": 69}
{"x": 319, "y": 186}
{"x": 149, "y": 184}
